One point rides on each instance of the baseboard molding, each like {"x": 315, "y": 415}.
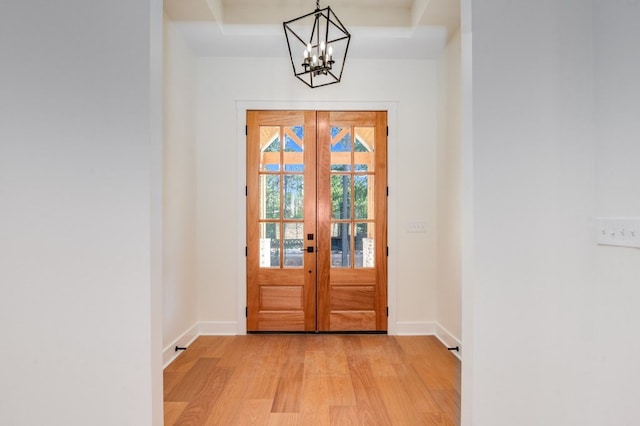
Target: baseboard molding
{"x": 449, "y": 340}
{"x": 169, "y": 353}
{"x": 426, "y": 328}
{"x": 206, "y": 328}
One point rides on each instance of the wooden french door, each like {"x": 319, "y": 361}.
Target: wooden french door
{"x": 316, "y": 221}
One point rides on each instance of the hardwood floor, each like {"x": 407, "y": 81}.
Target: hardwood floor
{"x": 313, "y": 379}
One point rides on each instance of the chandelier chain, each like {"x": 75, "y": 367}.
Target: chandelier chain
{"x": 317, "y": 4}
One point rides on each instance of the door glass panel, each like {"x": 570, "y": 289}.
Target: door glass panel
{"x": 340, "y": 149}
{"x": 293, "y": 251}
{"x": 269, "y": 149}
{"x": 363, "y": 196}
{"x": 293, "y": 196}
{"x": 364, "y": 245}
{"x": 341, "y": 196}
{"x": 340, "y": 245}
{"x": 281, "y": 195}
{"x": 294, "y": 149}
{"x": 269, "y": 245}
{"x": 269, "y": 196}
{"x": 364, "y": 149}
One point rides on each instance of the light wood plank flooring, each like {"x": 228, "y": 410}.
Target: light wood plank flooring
{"x": 313, "y": 380}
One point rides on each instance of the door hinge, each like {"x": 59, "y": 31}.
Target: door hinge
{"x": 387, "y": 130}
{"x": 387, "y": 191}
{"x": 246, "y": 251}
{"x": 246, "y": 130}
{"x": 387, "y": 251}
{"x": 246, "y": 191}
{"x": 246, "y": 312}
{"x": 387, "y": 311}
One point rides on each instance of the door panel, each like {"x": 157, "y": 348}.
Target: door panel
{"x": 281, "y": 178}
{"x": 316, "y": 221}
{"x": 352, "y": 231}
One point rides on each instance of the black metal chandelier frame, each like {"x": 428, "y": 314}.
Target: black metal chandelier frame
{"x": 317, "y": 66}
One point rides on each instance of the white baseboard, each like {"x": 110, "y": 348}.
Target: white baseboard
{"x": 426, "y": 328}
{"x": 449, "y": 340}
{"x": 169, "y": 353}
{"x": 208, "y": 328}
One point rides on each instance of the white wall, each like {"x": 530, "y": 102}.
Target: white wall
{"x": 607, "y": 378}
{"x": 78, "y": 132}
{"x": 223, "y": 81}
{"x": 555, "y": 109}
{"x": 179, "y": 268}
{"x": 534, "y": 180}
{"x": 449, "y": 188}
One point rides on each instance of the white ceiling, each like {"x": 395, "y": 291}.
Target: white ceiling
{"x": 390, "y": 29}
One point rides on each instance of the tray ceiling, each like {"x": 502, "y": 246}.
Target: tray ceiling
{"x": 380, "y": 28}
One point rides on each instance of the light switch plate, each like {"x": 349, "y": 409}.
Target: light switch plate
{"x": 618, "y": 231}
{"x": 417, "y": 227}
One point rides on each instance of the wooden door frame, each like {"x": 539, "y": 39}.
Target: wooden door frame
{"x": 240, "y": 326}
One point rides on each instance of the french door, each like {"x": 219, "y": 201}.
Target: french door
{"x": 316, "y": 221}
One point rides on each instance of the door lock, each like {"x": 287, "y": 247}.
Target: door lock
{"x": 310, "y": 249}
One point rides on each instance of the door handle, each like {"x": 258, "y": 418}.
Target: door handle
{"x": 310, "y": 249}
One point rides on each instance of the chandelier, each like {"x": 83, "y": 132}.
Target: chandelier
{"x": 318, "y": 44}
